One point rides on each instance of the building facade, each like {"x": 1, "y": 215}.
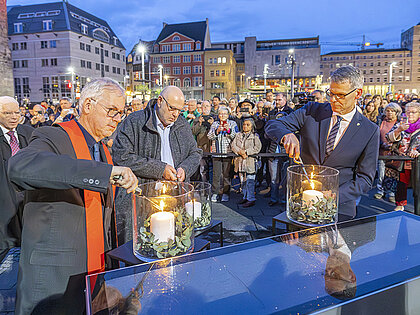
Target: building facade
{"x": 220, "y": 73}
{"x": 178, "y": 57}
{"x": 6, "y": 79}
{"x": 57, "y": 48}
{"x": 400, "y": 66}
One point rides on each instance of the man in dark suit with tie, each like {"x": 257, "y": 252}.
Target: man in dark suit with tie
{"x": 13, "y": 137}
{"x": 334, "y": 134}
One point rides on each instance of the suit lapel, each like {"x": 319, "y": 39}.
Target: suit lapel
{"x": 8, "y": 151}
{"x": 323, "y": 131}
{"x": 351, "y": 130}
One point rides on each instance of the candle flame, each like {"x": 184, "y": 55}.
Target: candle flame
{"x": 312, "y": 184}
{"x": 163, "y": 189}
{"x": 162, "y": 205}
{"x": 312, "y": 175}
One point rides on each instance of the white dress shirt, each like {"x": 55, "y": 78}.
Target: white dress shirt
{"x": 343, "y": 124}
{"x": 5, "y": 131}
{"x": 165, "y": 148}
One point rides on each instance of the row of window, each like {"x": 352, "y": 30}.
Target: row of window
{"x": 177, "y": 70}
{"x": 383, "y": 79}
{"x": 365, "y": 57}
{"x": 186, "y": 82}
{"x": 217, "y": 73}
{"x": 179, "y": 47}
{"x": 22, "y": 87}
{"x": 176, "y": 59}
{"x": 19, "y": 46}
{"x": 47, "y": 25}
{"x": 44, "y": 63}
{"x": 114, "y": 55}
{"x": 217, "y": 60}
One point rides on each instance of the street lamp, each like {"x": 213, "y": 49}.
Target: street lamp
{"x": 160, "y": 75}
{"x": 126, "y": 77}
{"x": 391, "y": 65}
{"x": 141, "y": 49}
{"x": 292, "y": 62}
{"x": 71, "y": 70}
{"x": 265, "y": 73}
{"x": 242, "y": 80}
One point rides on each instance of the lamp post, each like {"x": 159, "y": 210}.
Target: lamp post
{"x": 292, "y": 62}
{"x": 265, "y": 73}
{"x": 391, "y": 65}
{"x": 242, "y": 80}
{"x": 71, "y": 70}
{"x": 126, "y": 77}
{"x": 160, "y": 75}
{"x": 141, "y": 49}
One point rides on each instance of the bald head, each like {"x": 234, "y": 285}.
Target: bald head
{"x": 9, "y": 112}
{"x": 173, "y": 93}
{"x": 169, "y": 104}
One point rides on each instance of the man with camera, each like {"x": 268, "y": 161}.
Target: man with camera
{"x": 39, "y": 119}
{"x": 67, "y": 113}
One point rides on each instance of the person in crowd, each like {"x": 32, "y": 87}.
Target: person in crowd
{"x": 377, "y": 101}
{"x": 24, "y": 116}
{"x": 392, "y": 114}
{"x": 260, "y": 118}
{"x": 366, "y": 100}
{"x": 245, "y": 144}
{"x": 39, "y": 119}
{"x": 200, "y": 129}
{"x": 192, "y": 112}
{"x": 319, "y": 96}
{"x": 334, "y": 134}
{"x": 215, "y": 105}
{"x": 371, "y": 113}
{"x": 200, "y": 107}
{"x": 14, "y": 136}
{"x": 291, "y": 104}
{"x": 137, "y": 104}
{"x": 405, "y": 137}
{"x": 68, "y": 219}
{"x": 233, "y": 104}
{"x": 281, "y": 108}
{"x": 269, "y": 97}
{"x": 390, "y": 97}
{"x": 157, "y": 144}
{"x": 244, "y": 111}
{"x": 67, "y": 112}
{"x": 221, "y": 134}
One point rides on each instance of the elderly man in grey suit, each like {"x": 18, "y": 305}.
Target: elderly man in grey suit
{"x": 156, "y": 143}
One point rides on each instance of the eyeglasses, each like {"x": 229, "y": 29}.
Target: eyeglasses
{"x": 338, "y": 96}
{"x": 171, "y": 108}
{"x": 111, "y": 112}
{"x": 11, "y": 113}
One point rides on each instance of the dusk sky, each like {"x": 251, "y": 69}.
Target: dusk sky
{"x": 334, "y": 21}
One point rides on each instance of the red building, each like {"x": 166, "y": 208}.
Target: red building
{"x": 178, "y": 53}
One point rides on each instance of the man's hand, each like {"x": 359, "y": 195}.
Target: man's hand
{"x": 211, "y": 121}
{"x": 126, "y": 180}
{"x": 180, "y": 174}
{"x": 200, "y": 119}
{"x": 414, "y": 153}
{"x": 291, "y": 144}
{"x": 169, "y": 173}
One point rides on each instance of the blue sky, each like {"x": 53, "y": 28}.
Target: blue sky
{"x": 334, "y": 21}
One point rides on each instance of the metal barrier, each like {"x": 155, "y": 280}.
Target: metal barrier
{"x": 415, "y": 171}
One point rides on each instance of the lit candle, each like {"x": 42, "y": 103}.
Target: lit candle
{"x": 193, "y": 209}
{"x": 162, "y": 226}
{"x": 311, "y": 196}
{"x": 311, "y": 185}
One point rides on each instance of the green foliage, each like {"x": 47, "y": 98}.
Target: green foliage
{"x": 205, "y": 218}
{"x": 321, "y": 212}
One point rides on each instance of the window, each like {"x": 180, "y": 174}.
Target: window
{"x": 156, "y": 59}
{"x": 25, "y": 87}
{"x": 187, "y": 47}
{"x": 176, "y": 59}
{"x": 18, "y": 90}
{"x": 83, "y": 63}
{"x": 106, "y": 68}
{"x": 187, "y": 70}
{"x": 223, "y": 59}
{"x": 197, "y": 69}
{"x": 166, "y": 71}
{"x": 187, "y": 58}
{"x": 198, "y": 46}
{"x": 117, "y": 56}
{"x": 97, "y": 50}
{"x": 106, "y": 53}
{"x": 176, "y": 70}
{"x": 198, "y": 81}
{"x": 118, "y": 71}
{"x": 53, "y": 62}
{"x": 82, "y": 46}
{"x": 46, "y": 87}
{"x": 223, "y": 73}
{"x": 210, "y": 60}
{"x": 212, "y": 73}
{"x": 44, "y": 62}
{"x": 321, "y": 66}
{"x": 378, "y": 71}
{"x": 18, "y": 27}
{"x": 88, "y": 47}
{"x": 113, "y": 55}
{"x": 217, "y": 73}
{"x": 23, "y": 46}
{"x": 98, "y": 66}
{"x": 47, "y": 25}
{"x": 371, "y": 80}
{"x": 53, "y": 44}
{"x": 84, "y": 28}
{"x": 217, "y": 85}
{"x": 114, "y": 70}
{"x": 364, "y": 71}
{"x": 165, "y": 48}
{"x": 115, "y": 41}
{"x": 371, "y": 64}
{"x": 378, "y": 80}
{"x": 166, "y": 59}
{"x": 177, "y": 82}
{"x": 176, "y": 47}
{"x": 176, "y": 37}
{"x": 89, "y": 64}
{"x": 371, "y": 71}
{"x": 187, "y": 82}
{"x": 16, "y": 64}
{"x": 197, "y": 57}
{"x": 219, "y": 60}
{"x": 44, "y": 44}
{"x": 15, "y": 46}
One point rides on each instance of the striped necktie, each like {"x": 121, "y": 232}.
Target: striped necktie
{"x": 331, "y": 138}
{"x": 14, "y": 145}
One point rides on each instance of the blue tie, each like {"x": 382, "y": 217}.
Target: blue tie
{"x": 96, "y": 153}
{"x": 331, "y": 138}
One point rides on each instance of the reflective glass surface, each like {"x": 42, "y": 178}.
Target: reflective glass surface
{"x": 293, "y": 273}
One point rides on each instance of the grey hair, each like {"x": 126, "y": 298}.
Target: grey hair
{"x": 348, "y": 74}
{"x": 394, "y": 107}
{"x": 95, "y": 88}
{"x": 414, "y": 105}
{"x": 227, "y": 109}
{"x": 251, "y": 120}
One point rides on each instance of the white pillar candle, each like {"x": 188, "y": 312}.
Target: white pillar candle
{"x": 162, "y": 226}
{"x": 193, "y": 207}
{"x": 311, "y": 196}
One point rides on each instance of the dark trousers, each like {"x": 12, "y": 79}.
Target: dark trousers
{"x": 402, "y": 185}
{"x": 260, "y": 173}
{"x": 221, "y": 171}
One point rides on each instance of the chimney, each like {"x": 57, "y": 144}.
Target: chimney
{"x": 164, "y": 24}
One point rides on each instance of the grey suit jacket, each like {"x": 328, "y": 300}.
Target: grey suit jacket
{"x": 11, "y": 202}
{"x": 53, "y": 257}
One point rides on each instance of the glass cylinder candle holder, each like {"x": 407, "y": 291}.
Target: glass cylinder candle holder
{"x": 200, "y": 205}
{"x": 162, "y": 226}
{"x": 312, "y": 198}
